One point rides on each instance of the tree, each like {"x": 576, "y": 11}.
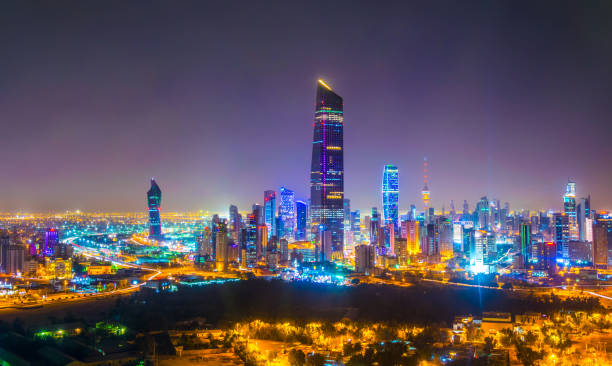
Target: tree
{"x": 316, "y": 359}
{"x": 297, "y": 357}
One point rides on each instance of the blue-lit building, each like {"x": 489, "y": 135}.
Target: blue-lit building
{"x": 154, "y": 196}
{"x": 390, "y": 195}
{"x": 251, "y": 240}
{"x": 286, "y": 212}
{"x": 327, "y": 172}
{"x": 270, "y": 212}
{"x": 301, "y": 215}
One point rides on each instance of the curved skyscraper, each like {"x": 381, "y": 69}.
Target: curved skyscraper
{"x": 390, "y": 195}
{"x": 327, "y": 173}
{"x": 154, "y": 203}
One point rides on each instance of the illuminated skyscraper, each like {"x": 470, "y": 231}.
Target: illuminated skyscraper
{"x": 482, "y": 213}
{"x": 569, "y": 207}
{"x": 251, "y": 240}
{"x": 270, "y": 212}
{"x": 525, "y": 243}
{"x": 286, "y": 211}
{"x": 51, "y": 241}
{"x": 154, "y": 196}
{"x": 301, "y": 211}
{"x": 561, "y": 234}
{"x": 390, "y": 195}
{"x": 327, "y": 170}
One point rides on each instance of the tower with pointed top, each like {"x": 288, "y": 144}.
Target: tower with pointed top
{"x": 327, "y": 173}
{"x": 425, "y": 191}
{"x": 154, "y": 202}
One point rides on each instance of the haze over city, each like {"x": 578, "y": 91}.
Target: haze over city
{"x": 505, "y": 99}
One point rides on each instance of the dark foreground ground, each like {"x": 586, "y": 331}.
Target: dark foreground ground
{"x": 278, "y": 300}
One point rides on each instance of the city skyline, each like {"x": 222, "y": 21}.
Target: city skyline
{"x": 80, "y": 124}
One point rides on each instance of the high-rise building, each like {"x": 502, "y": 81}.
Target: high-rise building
{"x": 286, "y": 211}
{"x": 51, "y": 241}
{"x": 222, "y": 255}
{"x": 412, "y": 237}
{"x": 445, "y": 232}
{"x": 154, "y": 196}
{"x": 482, "y": 211}
{"x": 525, "y": 242}
{"x": 327, "y": 169}
{"x": 390, "y": 195}
{"x": 301, "y": 211}
{"x": 251, "y": 240}
{"x": 582, "y": 215}
{"x": 561, "y": 234}
{"x": 569, "y": 207}
{"x": 600, "y": 244}
{"x": 270, "y": 212}
{"x": 235, "y": 222}
{"x": 356, "y": 226}
{"x": 364, "y": 258}
{"x": 374, "y": 226}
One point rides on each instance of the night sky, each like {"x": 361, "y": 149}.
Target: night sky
{"x": 215, "y": 99}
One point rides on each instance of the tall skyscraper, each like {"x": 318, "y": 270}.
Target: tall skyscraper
{"x": 482, "y": 212}
{"x": 286, "y": 211}
{"x": 561, "y": 234}
{"x": 525, "y": 243}
{"x": 251, "y": 240}
{"x": 270, "y": 212}
{"x": 327, "y": 170}
{"x": 154, "y": 196}
{"x": 390, "y": 195}
{"x": 569, "y": 207}
{"x": 301, "y": 213}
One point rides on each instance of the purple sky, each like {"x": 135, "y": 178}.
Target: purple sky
{"x": 215, "y": 99}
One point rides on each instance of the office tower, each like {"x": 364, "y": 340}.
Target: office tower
{"x": 445, "y": 232}
{"x": 482, "y": 211}
{"x": 480, "y": 245}
{"x": 413, "y": 212}
{"x": 600, "y": 244}
{"x": 569, "y": 208}
{"x": 580, "y": 252}
{"x": 251, "y": 240}
{"x": 222, "y": 255}
{"x": 425, "y": 192}
{"x": 364, "y": 258}
{"x": 284, "y": 250}
{"x": 154, "y": 196}
{"x": 327, "y": 169}
{"x": 356, "y": 226}
{"x": 466, "y": 208}
{"x": 14, "y": 260}
{"x": 51, "y": 240}
{"x": 433, "y": 240}
{"x": 561, "y": 234}
{"x": 525, "y": 243}
{"x": 582, "y": 215}
{"x": 390, "y": 195}
{"x": 301, "y": 211}
{"x": 348, "y": 234}
{"x": 412, "y": 237}
{"x": 452, "y": 209}
{"x": 469, "y": 242}
{"x": 286, "y": 211}
{"x": 374, "y": 226}
{"x": 5, "y": 242}
{"x": 235, "y": 224}
{"x": 270, "y": 212}
{"x": 457, "y": 237}
{"x": 547, "y": 257}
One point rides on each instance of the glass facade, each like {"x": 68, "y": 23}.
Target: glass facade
{"x": 287, "y": 212}
{"x": 390, "y": 195}
{"x": 154, "y": 196}
{"x": 327, "y": 170}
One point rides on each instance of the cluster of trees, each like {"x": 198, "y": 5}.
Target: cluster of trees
{"x": 278, "y": 300}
